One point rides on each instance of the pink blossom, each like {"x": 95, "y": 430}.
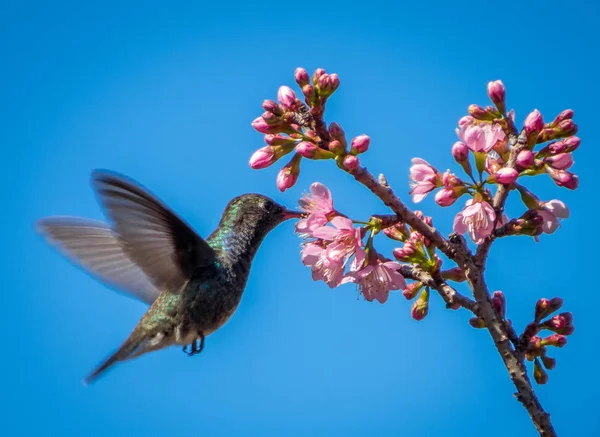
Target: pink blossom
{"x": 551, "y": 212}
{"x": 377, "y": 279}
{"x": 286, "y": 97}
{"x": 478, "y": 219}
{"x": 483, "y": 137}
{"x": 341, "y": 239}
{"x": 319, "y": 206}
{"x": 423, "y": 179}
{"x": 329, "y": 271}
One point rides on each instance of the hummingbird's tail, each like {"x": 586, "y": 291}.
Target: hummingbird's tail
{"x": 128, "y": 349}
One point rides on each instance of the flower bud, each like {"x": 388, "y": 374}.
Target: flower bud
{"x": 563, "y": 178}
{"x": 497, "y": 94}
{"x": 397, "y": 232}
{"x": 261, "y": 125}
{"x": 549, "y": 363}
{"x": 561, "y": 324}
{"x": 301, "y": 76}
{"x": 309, "y": 92}
{"x": 460, "y": 152}
{"x": 566, "y": 128}
{"x": 312, "y": 151}
{"x": 455, "y": 274}
{"x": 499, "y": 303}
{"x": 556, "y": 340}
{"x": 562, "y": 161}
{"x": 411, "y": 290}
{"x": 476, "y": 323}
{"x": 336, "y": 147}
{"x": 351, "y": 162}
{"x": 288, "y": 175}
{"x": 506, "y": 175}
{"x": 406, "y": 252}
{"x": 336, "y": 132}
{"x": 287, "y": 97}
{"x": 567, "y": 114}
{"x": 279, "y": 140}
{"x": 479, "y": 113}
{"x": 445, "y": 197}
{"x": 531, "y": 330}
{"x": 360, "y": 144}
{"x": 421, "y": 306}
{"x": 534, "y": 123}
{"x": 525, "y": 159}
{"x": 544, "y": 307}
{"x": 539, "y": 374}
{"x": 317, "y": 74}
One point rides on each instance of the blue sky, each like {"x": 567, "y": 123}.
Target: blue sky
{"x": 165, "y": 94}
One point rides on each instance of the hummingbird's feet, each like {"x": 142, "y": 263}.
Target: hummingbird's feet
{"x": 196, "y": 347}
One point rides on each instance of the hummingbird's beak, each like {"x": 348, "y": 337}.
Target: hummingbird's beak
{"x": 288, "y": 214}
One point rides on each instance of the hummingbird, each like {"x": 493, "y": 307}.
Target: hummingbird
{"x": 193, "y": 285}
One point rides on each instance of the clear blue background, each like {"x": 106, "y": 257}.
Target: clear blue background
{"x": 165, "y": 94}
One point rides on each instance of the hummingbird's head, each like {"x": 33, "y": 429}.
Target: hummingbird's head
{"x": 256, "y": 212}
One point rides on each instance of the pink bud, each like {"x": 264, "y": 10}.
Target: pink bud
{"x": 566, "y": 128}
{"x": 334, "y": 81}
{"x": 301, "y": 76}
{"x": 562, "y": 161}
{"x": 287, "y": 97}
{"x": 544, "y": 307}
{"x": 534, "y": 122}
{"x": 278, "y": 140}
{"x": 460, "y": 151}
{"x": 571, "y": 144}
{"x": 272, "y": 106}
{"x": 421, "y": 306}
{"x": 555, "y": 340}
{"x": 360, "y": 144}
{"x": 479, "y": 113}
{"x": 306, "y": 149}
{"x": 351, "y": 162}
{"x": 445, "y": 197}
{"x": 499, "y": 303}
{"x": 308, "y": 91}
{"x": 565, "y": 115}
{"x": 506, "y": 175}
{"x": 497, "y": 94}
{"x": 411, "y": 290}
{"x": 406, "y": 252}
{"x": 317, "y": 74}
{"x": 525, "y": 159}
{"x": 261, "y": 125}
{"x": 476, "y": 323}
{"x": 539, "y": 374}
{"x": 263, "y": 157}
{"x": 563, "y": 178}
{"x": 336, "y": 132}
{"x": 288, "y": 175}
{"x": 336, "y": 147}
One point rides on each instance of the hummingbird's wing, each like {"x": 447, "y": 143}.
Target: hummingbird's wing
{"x": 158, "y": 241}
{"x": 94, "y": 246}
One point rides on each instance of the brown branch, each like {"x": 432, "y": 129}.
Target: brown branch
{"x": 448, "y": 293}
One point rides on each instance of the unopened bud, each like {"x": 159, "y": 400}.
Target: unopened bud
{"x": 549, "y": 363}
{"x": 351, "y": 162}
{"x": 279, "y": 140}
{"x": 287, "y": 97}
{"x": 460, "y": 152}
{"x": 476, "y": 323}
{"x": 525, "y": 159}
{"x": 539, "y": 374}
{"x": 272, "y": 106}
{"x": 499, "y": 303}
{"x": 301, "y": 76}
{"x": 309, "y": 92}
{"x": 563, "y": 178}
{"x": 312, "y": 151}
{"x": 455, "y": 274}
{"x": 479, "y": 113}
{"x": 421, "y": 306}
{"x": 336, "y": 147}
{"x": 534, "y": 123}
{"x": 317, "y": 74}
{"x": 411, "y": 290}
{"x": 567, "y": 114}
{"x": 397, "y": 232}
{"x": 288, "y": 175}
{"x": 556, "y": 340}
{"x": 566, "y": 128}
{"x": 506, "y": 175}
{"x": 497, "y": 94}
{"x": 360, "y": 144}
{"x": 336, "y": 132}
{"x": 544, "y": 307}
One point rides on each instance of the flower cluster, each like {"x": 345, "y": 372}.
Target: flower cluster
{"x": 503, "y": 154}
{"x": 334, "y": 241}
{"x": 290, "y": 126}
{"x": 561, "y": 325}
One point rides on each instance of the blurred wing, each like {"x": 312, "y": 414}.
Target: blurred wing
{"x": 158, "y": 241}
{"x": 94, "y": 247}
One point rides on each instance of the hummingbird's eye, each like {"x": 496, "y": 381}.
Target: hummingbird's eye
{"x": 270, "y": 207}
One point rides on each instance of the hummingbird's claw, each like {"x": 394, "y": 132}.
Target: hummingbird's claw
{"x": 196, "y": 347}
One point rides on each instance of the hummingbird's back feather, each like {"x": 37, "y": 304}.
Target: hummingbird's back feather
{"x": 97, "y": 249}
{"x": 158, "y": 241}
